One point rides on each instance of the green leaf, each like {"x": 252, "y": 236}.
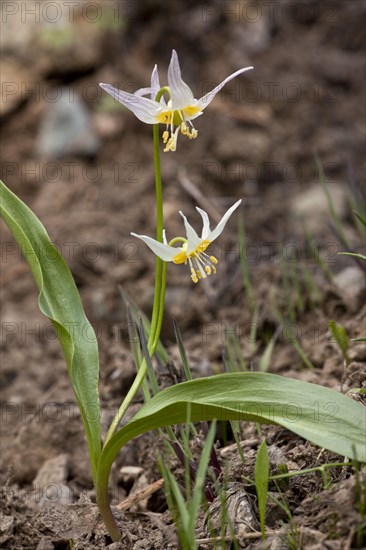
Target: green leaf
{"x": 261, "y": 475}
{"x": 361, "y": 218}
{"x": 354, "y": 255}
{"x": 59, "y": 300}
{"x": 195, "y": 503}
{"x": 323, "y": 416}
{"x": 340, "y": 336}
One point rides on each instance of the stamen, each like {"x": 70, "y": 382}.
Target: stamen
{"x": 201, "y": 265}
{"x": 172, "y": 142}
{"x": 200, "y": 270}
{"x": 191, "y": 134}
{"x": 171, "y": 133}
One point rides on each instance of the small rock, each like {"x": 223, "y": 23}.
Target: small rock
{"x": 130, "y": 473}
{"x": 276, "y": 455}
{"x": 351, "y": 285}
{"x": 249, "y": 38}
{"x": 45, "y": 544}
{"x": 53, "y": 470}
{"x": 66, "y": 128}
{"x": 55, "y": 36}
{"x": 49, "y": 486}
{"x": 358, "y": 351}
{"x": 310, "y": 207}
{"x": 239, "y": 511}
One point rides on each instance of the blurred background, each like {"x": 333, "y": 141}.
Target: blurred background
{"x": 83, "y": 163}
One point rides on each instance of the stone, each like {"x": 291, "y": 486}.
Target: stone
{"x": 66, "y": 128}
{"x": 45, "y": 544}
{"x": 310, "y": 207}
{"x": 49, "y": 485}
{"x": 351, "y": 285}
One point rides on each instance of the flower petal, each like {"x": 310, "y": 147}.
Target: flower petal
{"x": 164, "y": 251}
{"x": 192, "y": 117}
{"x": 220, "y": 226}
{"x": 192, "y": 237}
{"x": 142, "y": 107}
{"x": 182, "y": 95}
{"x": 206, "y": 223}
{"x": 155, "y": 85}
{"x": 142, "y": 91}
{"x": 206, "y": 99}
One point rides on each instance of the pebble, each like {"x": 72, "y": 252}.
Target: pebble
{"x": 45, "y": 544}
{"x": 351, "y": 285}
{"x": 66, "y": 128}
{"x": 49, "y": 485}
{"x": 310, "y": 207}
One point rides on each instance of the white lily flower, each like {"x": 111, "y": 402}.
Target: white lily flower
{"x": 193, "y": 249}
{"x": 181, "y": 108}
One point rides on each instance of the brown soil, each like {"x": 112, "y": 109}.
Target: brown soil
{"x": 258, "y": 141}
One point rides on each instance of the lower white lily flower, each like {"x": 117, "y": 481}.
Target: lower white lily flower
{"x": 181, "y": 108}
{"x": 192, "y": 251}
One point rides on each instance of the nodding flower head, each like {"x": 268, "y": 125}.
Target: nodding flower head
{"x": 192, "y": 251}
{"x": 178, "y": 112}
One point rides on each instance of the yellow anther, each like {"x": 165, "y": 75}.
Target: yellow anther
{"x": 171, "y": 145}
{"x": 208, "y": 270}
{"x": 194, "y": 275}
{"x": 191, "y": 134}
{"x": 214, "y": 260}
{"x": 165, "y": 136}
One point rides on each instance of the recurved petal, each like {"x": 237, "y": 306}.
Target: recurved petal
{"x": 206, "y": 223}
{"x": 182, "y": 95}
{"x": 155, "y": 85}
{"x": 142, "y": 92}
{"x": 220, "y": 226}
{"x": 192, "y": 237}
{"x": 164, "y": 251}
{"x": 142, "y": 107}
{"x": 206, "y": 99}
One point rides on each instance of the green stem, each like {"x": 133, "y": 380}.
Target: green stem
{"x": 106, "y": 513}
{"x": 159, "y": 294}
{"x": 155, "y": 328}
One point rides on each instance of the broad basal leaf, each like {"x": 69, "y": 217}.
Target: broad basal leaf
{"x": 59, "y": 300}
{"x": 323, "y": 416}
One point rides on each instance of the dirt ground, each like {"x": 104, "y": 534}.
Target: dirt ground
{"x": 257, "y": 141}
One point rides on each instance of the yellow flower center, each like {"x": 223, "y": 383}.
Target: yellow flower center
{"x": 178, "y": 119}
{"x": 199, "y": 262}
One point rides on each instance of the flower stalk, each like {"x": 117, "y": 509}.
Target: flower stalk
{"x": 154, "y": 335}
{"x": 160, "y": 285}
